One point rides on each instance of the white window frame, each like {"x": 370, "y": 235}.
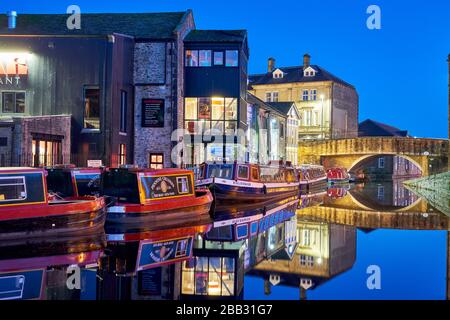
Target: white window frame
{"x": 15, "y": 184}
{"x": 381, "y": 163}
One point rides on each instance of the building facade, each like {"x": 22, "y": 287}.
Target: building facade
{"x": 215, "y": 87}
{"x": 328, "y": 106}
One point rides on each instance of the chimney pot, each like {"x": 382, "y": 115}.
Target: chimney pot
{"x": 306, "y": 61}
{"x": 12, "y": 17}
{"x": 271, "y": 65}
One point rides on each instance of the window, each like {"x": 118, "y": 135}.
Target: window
{"x": 271, "y": 96}
{"x": 183, "y": 185}
{"x": 243, "y": 172}
{"x": 218, "y": 58}
{"x": 13, "y": 102}
{"x": 306, "y": 238}
{"x": 381, "y": 163}
{"x": 191, "y": 58}
{"x": 313, "y": 94}
{"x": 91, "y": 108}
{"x": 3, "y": 141}
{"x": 380, "y": 192}
{"x": 307, "y": 261}
{"x": 281, "y": 130}
{"x": 204, "y": 58}
{"x": 307, "y": 118}
{"x": 122, "y": 154}
{"x": 12, "y": 189}
{"x": 268, "y": 96}
{"x": 46, "y": 152}
{"x": 231, "y": 58}
{"x": 123, "y": 111}
{"x": 305, "y": 96}
{"x": 156, "y": 161}
{"x": 255, "y": 174}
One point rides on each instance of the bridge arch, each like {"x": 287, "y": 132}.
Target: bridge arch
{"x": 368, "y": 156}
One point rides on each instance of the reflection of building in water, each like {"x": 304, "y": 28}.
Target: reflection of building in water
{"x": 324, "y": 251}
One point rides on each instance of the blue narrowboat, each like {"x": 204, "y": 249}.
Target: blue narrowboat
{"x": 249, "y": 182}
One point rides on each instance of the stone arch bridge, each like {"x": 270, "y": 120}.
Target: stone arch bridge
{"x": 430, "y": 155}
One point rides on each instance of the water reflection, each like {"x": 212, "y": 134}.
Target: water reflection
{"x": 296, "y": 248}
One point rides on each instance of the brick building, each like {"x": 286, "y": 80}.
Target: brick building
{"x": 328, "y": 105}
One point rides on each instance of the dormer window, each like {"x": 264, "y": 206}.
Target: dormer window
{"x": 309, "y": 72}
{"x": 278, "y": 74}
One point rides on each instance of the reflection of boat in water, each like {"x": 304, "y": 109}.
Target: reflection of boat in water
{"x": 311, "y": 199}
{"x": 145, "y": 195}
{"x": 312, "y": 177}
{"x": 337, "y": 192}
{"x": 40, "y": 269}
{"x": 26, "y": 210}
{"x": 69, "y": 181}
{"x": 249, "y": 182}
{"x": 338, "y": 176}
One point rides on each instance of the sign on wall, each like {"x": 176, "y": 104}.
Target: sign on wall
{"x": 152, "y": 113}
{"x": 13, "y": 68}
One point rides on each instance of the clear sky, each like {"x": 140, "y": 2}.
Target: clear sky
{"x": 400, "y": 71}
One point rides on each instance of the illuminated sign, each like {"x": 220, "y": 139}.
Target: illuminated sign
{"x": 13, "y": 68}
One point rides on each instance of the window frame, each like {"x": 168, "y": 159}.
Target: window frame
{"x": 214, "y": 58}
{"x": 92, "y": 130}
{"x": 14, "y": 93}
{"x": 238, "y": 176}
{"x": 122, "y": 154}
{"x": 237, "y": 58}
{"x": 24, "y": 187}
{"x": 151, "y": 163}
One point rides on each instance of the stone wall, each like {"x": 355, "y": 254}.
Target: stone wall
{"x": 345, "y": 101}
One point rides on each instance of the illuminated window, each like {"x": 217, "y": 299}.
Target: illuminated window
{"x": 231, "y": 58}
{"x": 13, "y": 102}
{"x": 46, "y": 152}
{"x": 191, "y": 58}
{"x": 122, "y": 154}
{"x": 204, "y": 58}
{"x": 156, "y": 161}
{"x": 91, "y": 109}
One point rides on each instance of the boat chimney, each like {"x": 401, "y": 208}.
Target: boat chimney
{"x": 12, "y": 19}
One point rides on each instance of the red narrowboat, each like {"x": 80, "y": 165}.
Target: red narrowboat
{"x": 69, "y": 181}
{"x": 338, "y": 175}
{"x": 249, "y": 182}
{"x": 144, "y": 195}
{"x": 312, "y": 177}
{"x": 27, "y": 211}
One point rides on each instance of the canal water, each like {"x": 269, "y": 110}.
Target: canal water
{"x": 367, "y": 241}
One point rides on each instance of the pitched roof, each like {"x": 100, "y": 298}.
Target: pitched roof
{"x": 295, "y": 74}
{"x": 282, "y": 107}
{"x": 140, "y": 25}
{"x": 216, "y": 36}
{"x": 251, "y": 99}
{"x": 371, "y": 128}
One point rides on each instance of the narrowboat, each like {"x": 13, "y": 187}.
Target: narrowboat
{"x": 249, "y": 182}
{"x": 143, "y": 195}
{"x": 338, "y": 176}
{"x": 26, "y": 210}
{"x": 312, "y": 177}
{"x": 69, "y": 181}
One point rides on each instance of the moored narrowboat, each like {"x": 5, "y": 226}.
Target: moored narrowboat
{"x": 26, "y": 210}
{"x": 312, "y": 177}
{"x": 338, "y": 176}
{"x": 69, "y": 181}
{"x": 143, "y": 195}
{"x": 248, "y": 182}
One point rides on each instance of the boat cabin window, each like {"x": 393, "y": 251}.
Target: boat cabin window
{"x": 12, "y": 189}
{"x": 290, "y": 175}
{"x": 255, "y": 174}
{"x": 167, "y": 186}
{"x": 201, "y": 172}
{"x": 224, "y": 171}
{"x": 120, "y": 184}
{"x": 243, "y": 172}
{"x": 88, "y": 184}
{"x": 60, "y": 182}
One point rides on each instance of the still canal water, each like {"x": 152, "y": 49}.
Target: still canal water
{"x": 336, "y": 243}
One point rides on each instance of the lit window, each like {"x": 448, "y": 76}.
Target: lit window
{"x": 204, "y": 58}
{"x": 231, "y": 109}
{"x": 231, "y": 58}
{"x": 91, "y": 108}
{"x": 13, "y": 102}
{"x": 123, "y": 111}
{"x": 122, "y": 154}
{"x": 46, "y": 152}
{"x": 190, "y": 108}
{"x": 218, "y": 58}
{"x": 191, "y": 58}
{"x": 156, "y": 161}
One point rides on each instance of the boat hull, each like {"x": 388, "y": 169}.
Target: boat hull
{"x": 179, "y": 210}
{"x": 71, "y": 219}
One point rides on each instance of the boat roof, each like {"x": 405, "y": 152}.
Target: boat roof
{"x": 158, "y": 172}
{"x": 20, "y": 169}
{"x": 70, "y": 169}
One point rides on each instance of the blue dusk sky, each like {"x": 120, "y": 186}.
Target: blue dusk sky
{"x": 400, "y": 71}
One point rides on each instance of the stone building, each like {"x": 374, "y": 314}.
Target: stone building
{"x": 328, "y": 105}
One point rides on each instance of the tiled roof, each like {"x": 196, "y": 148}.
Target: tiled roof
{"x": 370, "y": 128}
{"x": 251, "y": 99}
{"x": 139, "y": 25}
{"x": 295, "y": 74}
{"x": 282, "y": 107}
{"x": 216, "y": 36}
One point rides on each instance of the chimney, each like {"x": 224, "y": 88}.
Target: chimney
{"x": 12, "y": 16}
{"x": 271, "y": 65}
{"x": 306, "y": 61}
